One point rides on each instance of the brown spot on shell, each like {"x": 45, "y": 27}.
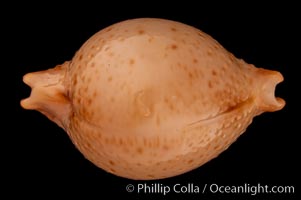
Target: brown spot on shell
{"x": 132, "y": 61}
{"x": 74, "y": 82}
{"x": 210, "y": 84}
{"x": 150, "y": 176}
{"x": 78, "y": 100}
{"x": 174, "y": 46}
{"x": 189, "y": 161}
{"x": 213, "y": 72}
{"x": 173, "y": 29}
{"x": 139, "y": 150}
{"x": 94, "y": 94}
{"x": 166, "y": 100}
{"x": 111, "y": 162}
{"x": 140, "y": 32}
{"x": 171, "y": 106}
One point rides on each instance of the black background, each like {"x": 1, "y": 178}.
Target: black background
{"x": 41, "y": 156}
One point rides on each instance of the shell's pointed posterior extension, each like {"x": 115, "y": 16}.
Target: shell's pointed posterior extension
{"x": 48, "y": 94}
{"x": 266, "y": 101}
{"x": 152, "y": 98}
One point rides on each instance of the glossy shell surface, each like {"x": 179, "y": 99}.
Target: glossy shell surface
{"x": 152, "y": 98}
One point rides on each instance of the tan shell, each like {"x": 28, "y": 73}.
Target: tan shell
{"x": 152, "y": 98}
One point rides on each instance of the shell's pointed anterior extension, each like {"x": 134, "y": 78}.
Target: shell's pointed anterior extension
{"x": 49, "y": 94}
{"x": 152, "y": 98}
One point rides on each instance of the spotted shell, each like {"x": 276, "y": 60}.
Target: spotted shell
{"x": 152, "y": 98}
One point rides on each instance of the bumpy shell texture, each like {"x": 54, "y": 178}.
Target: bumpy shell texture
{"x": 152, "y": 98}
